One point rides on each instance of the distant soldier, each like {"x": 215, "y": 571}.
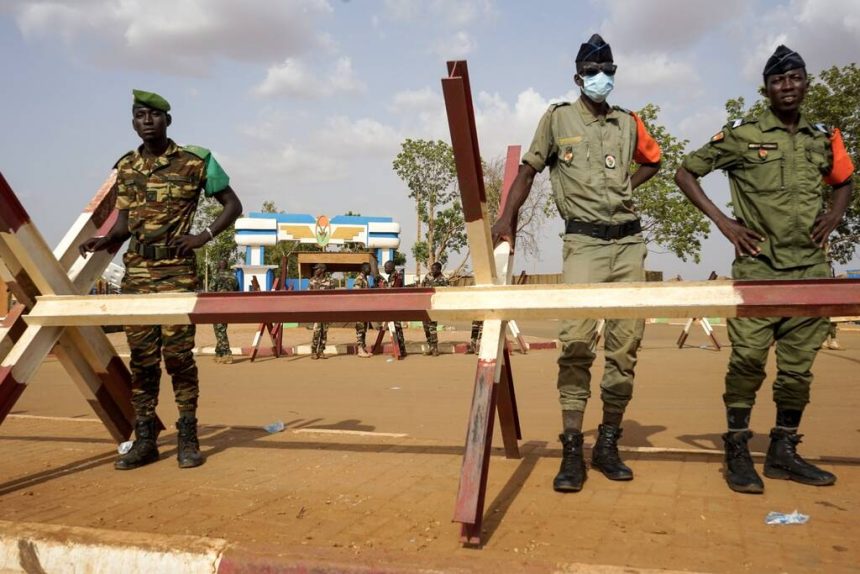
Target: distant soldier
{"x": 224, "y": 281}
{"x": 778, "y": 165}
{"x": 361, "y": 282}
{"x": 158, "y": 186}
{"x": 320, "y": 280}
{"x": 433, "y": 279}
{"x": 395, "y": 279}
{"x": 475, "y": 337}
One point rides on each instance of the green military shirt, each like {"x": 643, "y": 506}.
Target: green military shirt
{"x": 776, "y": 182}
{"x": 588, "y": 157}
{"x": 161, "y": 193}
{"x": 224, "y": 281}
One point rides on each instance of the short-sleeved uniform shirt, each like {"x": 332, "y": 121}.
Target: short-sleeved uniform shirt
{"x": 589, "y": 158}
{"x": 161, "y": 193}
{"x": 777, "y": 179}
{"x": 431, "y": 281}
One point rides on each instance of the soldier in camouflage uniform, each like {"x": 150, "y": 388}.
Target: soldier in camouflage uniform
{"x": 778, "y": 165}
{"x": 475, "y": 337}
{"x": 158, "y": 186}
{"x": 223, "y": 282}
{"x": 361, "y": 282}
{"x": 395, "y": 279}
{"x": 433, "y": 279}
{"x": 320, "y": 280}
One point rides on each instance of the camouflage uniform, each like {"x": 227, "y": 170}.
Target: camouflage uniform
{"x": 223, "y": 282}
{"x": 320, "y": 329}
{"x": 361, "y": 282}
{"x": 395, "y": 279}
{"x": 475, "y": 338}
{"x": 430, "y": 326}
{"x": 161, "y": 197}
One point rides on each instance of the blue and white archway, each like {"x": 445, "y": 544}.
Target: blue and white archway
{"x": 257, "y": 231}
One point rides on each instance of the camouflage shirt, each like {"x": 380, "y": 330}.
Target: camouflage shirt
{"x": 161, "y": 194}
{"x": 360, "y": 282}
{"x": 224, "y": 282}
{"x": 324, "y": 282}
{"x": 431, "y": 281}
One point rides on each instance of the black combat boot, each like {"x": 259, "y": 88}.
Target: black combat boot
{"x": 571, "y": 475}
{"x": 783, "y": 461}
{"x": 144, "y": 450}
{"x": 188, "y": 454}
{"x": 604, "y": 456}
{"x": 739, "y": 472}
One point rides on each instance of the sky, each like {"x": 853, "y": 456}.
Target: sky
{"x": 305, "y": 102}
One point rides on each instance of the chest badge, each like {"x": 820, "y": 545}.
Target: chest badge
{"x": 568, "y": 155}
{"x": 609, "y": 161}
{"x": 762, "y": 153}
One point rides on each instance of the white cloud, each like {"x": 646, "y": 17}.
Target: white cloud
{"x": 416, "y": 101}
{"x": 700, "y": 126}
{"x": 455, "y": 46}
{"x": 344, "y": 138}
{"x": 639, "y": 71}
{"x": 179, "y": 37}
{"x": 293, "y": 78}
{"x": 665, "y": 25}
{"x": 456, "y": 13}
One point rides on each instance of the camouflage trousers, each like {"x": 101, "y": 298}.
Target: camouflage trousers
{"x": 477, "y": 330}
{"x": 148, "y": 343}
{"x": 361, "y": 334}
{"x": 320, "y": 336}
{"x": 430, "y": 333}
{"x": 399, "y": 338}
{"x": 222, "y": 343}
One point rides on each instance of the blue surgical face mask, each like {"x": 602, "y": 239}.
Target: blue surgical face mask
{"x": 598, "y": 86}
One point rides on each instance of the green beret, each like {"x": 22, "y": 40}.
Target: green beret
{"x": 150, "y": 100}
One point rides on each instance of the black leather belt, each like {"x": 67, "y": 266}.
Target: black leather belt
{"x": 601, "y": 231}
{"x": 151, "y": 251}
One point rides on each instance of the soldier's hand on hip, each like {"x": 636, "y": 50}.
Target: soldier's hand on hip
{"x": 824, "y": 225}
{"x": 186, "y": 244}
{"x": 94, "y": 244}
{"x": 742, "y": 237}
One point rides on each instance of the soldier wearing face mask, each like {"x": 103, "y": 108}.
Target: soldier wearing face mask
{"x": 588, "y": 146}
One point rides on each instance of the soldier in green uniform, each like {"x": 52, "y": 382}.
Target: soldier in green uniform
{"x": 589, "y": 146}
{"x": 320, "y": 280}
{"x": 157, "y": 188}
{"x": 433, "y": 279}
{"x": 778, "y": 164}
{"x": 361, "y": 282}
{"x": 224, "y": 281}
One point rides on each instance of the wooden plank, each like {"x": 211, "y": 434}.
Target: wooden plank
{"x": 812, "y": 298}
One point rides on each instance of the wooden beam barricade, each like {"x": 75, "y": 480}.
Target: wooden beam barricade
{"x": 795, "y": 298}
{"x": 31, "y": 269}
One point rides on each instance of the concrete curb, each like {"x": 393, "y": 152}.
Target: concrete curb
{"x": 41, "y": 548}
{"x": 31, "y": 548}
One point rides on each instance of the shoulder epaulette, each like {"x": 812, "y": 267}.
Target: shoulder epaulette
{"x": 737, "y": 123}
{"x": 622, "y": 110}
{"x": 823, "y": 129}
{"x": 555, "y": 105}
{"x": 200, "y": 152}
{"x": 125, "y": 155}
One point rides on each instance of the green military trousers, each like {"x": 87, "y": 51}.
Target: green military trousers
{"x": 797, "y": 342}
{"x": 591, "y": 260}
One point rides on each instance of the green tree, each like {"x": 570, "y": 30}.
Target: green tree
{"x": 222, "y": 247}
{"x": 669, "y": 220}
{"x": 427, "y": 168}
{"x": 833, "y": 99}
